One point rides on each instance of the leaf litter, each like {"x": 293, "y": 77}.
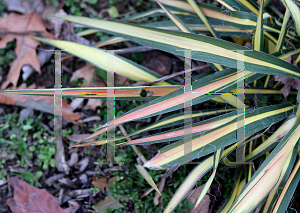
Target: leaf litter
{"x": 28, "y": 198}
{"x": 20, "y": 27}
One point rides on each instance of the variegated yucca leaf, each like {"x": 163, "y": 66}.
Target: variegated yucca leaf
{"x": 288, "y": 190}
{"x": 295, "y": 11}
{"x": 268, "y": 174}
{"x": 191, "y": 180}
{"x": 277, "y": 189}
{"x": 259, "y": 35}
{"x": 129, "y": 93}
{"x": 268, "y": 144}
{"x": 147, "y": 177}
{"x": 197, "y": 88}
{"x": 176, "y": 134}
{"x": 235, "y": 18}
{"x": 210, "y": 49}
{"x": 217, "y": 83}
{"x": 100, "y": 59}
{"x": 239, "y": 184}
{"x": 220, "y": 137}
{"x": 268, "y": 185}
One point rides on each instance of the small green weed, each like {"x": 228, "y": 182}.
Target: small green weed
{"x": 77, "y": 82}
{"x": 14, "y": 142}
{"x": 30, "y": 177}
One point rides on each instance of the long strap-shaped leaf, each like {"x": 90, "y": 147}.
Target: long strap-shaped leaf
{"x": 286, "y": 171}
{"x": 267, "y": 144}
{"x": 283, "y": 30}
{"x": 228, "y": 98}
{"x": 196, "y": 25}
{"x": 295, "y": 11}
{"x": 154, "y": 12}
{"x": 202, "y": 17}
{"x": 220, "y": 137}
{"x": 147, "y": 177}
{"x": 217, "y": 83}
{"x": 211, "y": 50}
{"x": 191, "y": 180}
{"x": 259, "y": 35}
{"x": 235, "y": 191}
{"x": 128, "y": 93}
{"x": 288, "y": 190}
{"x": 173, "y": 135}
{"x": 217, "y": 157}
{"x": 267, "y": 175}
{"x": 289, "y": 163}
{"x": 120, "y": 93}
{"x": 235, "y": 18}
{"x": 99, "y": 58}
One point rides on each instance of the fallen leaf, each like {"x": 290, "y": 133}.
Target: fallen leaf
{"x": 161, "y": 186}
{"x": 42, "y": 103}
{"x": 289, "y": 82}
{"x": 46, "y": 14}
{"x": 24, "y": 6}
{"x": 87, "y": 73}
{"x": 122, "y": 80}
{"x": 108, "y": 202}
{"x": 147, "y": 177}
{"x": 158, "y": 62}
{"x": 102, "y": 183}
{"x": 57, "y": 23}
{"x": 28, "y": 198}
{"x": 93, "y": 103}
{"x": 25, "y": 45}
{"x": 203, "y": 206}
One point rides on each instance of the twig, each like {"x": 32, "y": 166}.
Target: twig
{"x": 148, "y": 192}
{"x": 21, "y": 33}
{"x": 160, "y": 188}
{"x": 257, "y": 136}
{"x": 170, "y": 171}
{"x": 140, "y": 83}
{"x": 133, "y": 146}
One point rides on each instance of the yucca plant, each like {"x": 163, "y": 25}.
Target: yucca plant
{"x": 203, "y": 29}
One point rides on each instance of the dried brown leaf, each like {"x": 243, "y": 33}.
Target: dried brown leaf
{"x": 109, "y": 202}
{"x": 158, "y": 62}
{"x": 25, "y": 48}
{"x": 93, "y": 103}
{"x": 87, "y": 73}
{"x": 161, "y": 186}
{"x": 203, "y": 206}
{"x": 103, "y": 183}
{"x": 28, "y": 198}
{"x": 289, "y": 83}
{"x": 24, "y": 6}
